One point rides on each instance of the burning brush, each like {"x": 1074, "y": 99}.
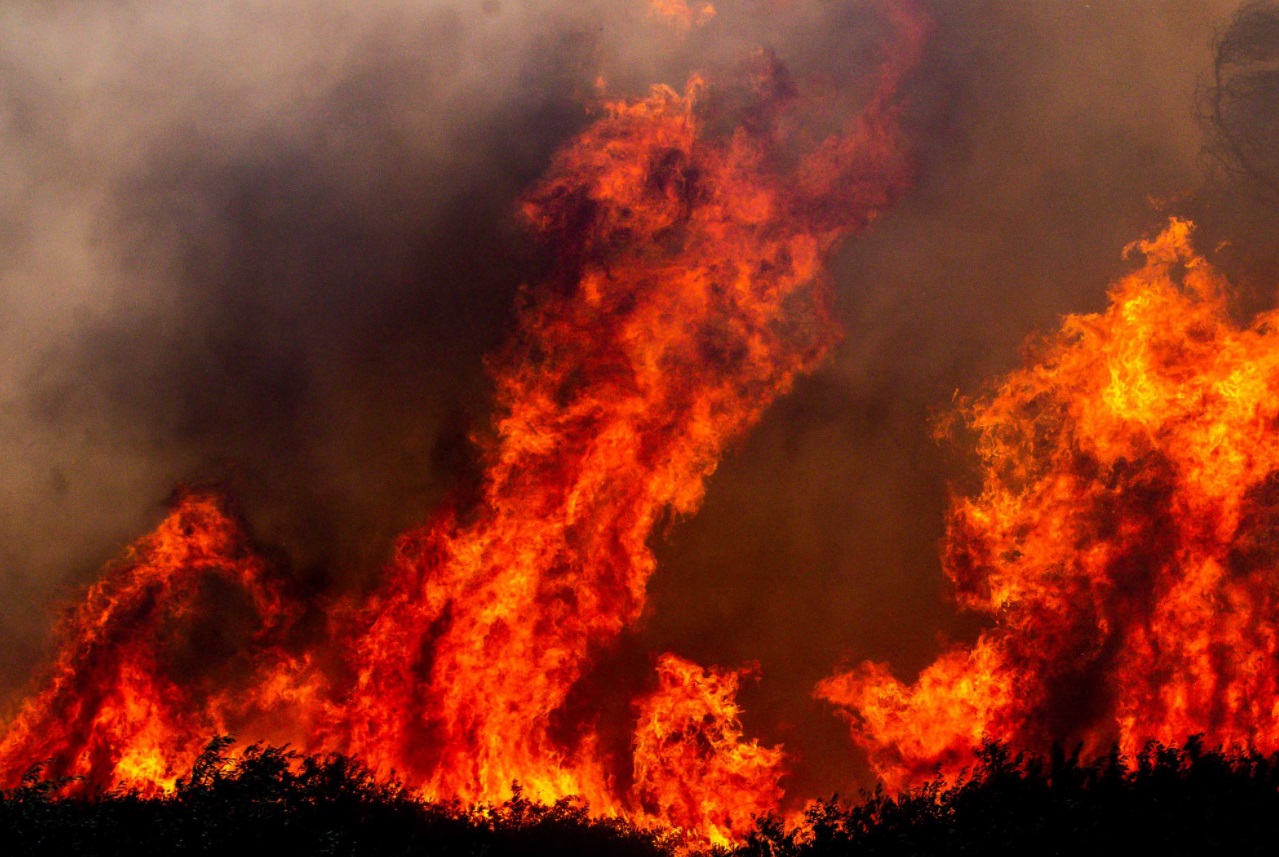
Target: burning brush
{"x": 687, "y": 297}
{"x": 1122, "y": 543}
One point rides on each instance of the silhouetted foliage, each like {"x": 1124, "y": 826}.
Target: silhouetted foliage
{"x": 1168, "y": 801}
{"x": 271, "y": 800}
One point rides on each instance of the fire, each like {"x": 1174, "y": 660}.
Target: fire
{"x": 151, "y": 659}
{"x": 1123, "y": 542}
{"x": 681, "y": 14}
{"x": 689, "y": 753}
{"x": 688, "y": 297}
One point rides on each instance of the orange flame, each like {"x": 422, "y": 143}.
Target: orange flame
{"x": 688, "y": 297}
{"x": 681, "y": 14}
{"x": 689, "y": 754}
{"x": 688, "y": 300}
{"x": 1124, "y": 540}
{"x": 142, "y": 681}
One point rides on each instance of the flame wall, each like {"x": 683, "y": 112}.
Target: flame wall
{"x": 273, "y": 255}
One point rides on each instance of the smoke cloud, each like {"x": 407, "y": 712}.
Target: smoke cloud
{"x": 268, "y": 244}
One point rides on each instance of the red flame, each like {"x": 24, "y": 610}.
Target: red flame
{"x": 689, "y": 296}
{"x": 1124, "y": 540}
{"x": 690, "y": 754}
{"x": 681, "y": 14}
{"x": 153, "y": 657}
{"x": 691, "y": 300}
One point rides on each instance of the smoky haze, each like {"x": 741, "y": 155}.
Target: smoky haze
{"x": 268, "y": 244}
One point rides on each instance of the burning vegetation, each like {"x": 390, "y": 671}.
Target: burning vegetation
{"x": 690, "y": 235}
{"x": 150, "y": 667}
{"x": 1122, "y": 543}
{"x": 1175, "y": 800}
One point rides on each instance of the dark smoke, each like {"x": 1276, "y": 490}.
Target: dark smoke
{"x": 1239, "y": 112}
{"x": 268, "y": 244}
{"x": 262, "y": 245}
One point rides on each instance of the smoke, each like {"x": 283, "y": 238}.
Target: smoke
{"x": 1239, "y": 110}
{"x": 268, "y": 244}
{"x": 263, "y": 244}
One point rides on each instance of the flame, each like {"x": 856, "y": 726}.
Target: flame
{"x": 1124, "y": 541}
{"x": 690, "y": 753}
{"x": 141, "y": 682}
{"x": 681, "y": 14}
{"x": 688, "y": 297}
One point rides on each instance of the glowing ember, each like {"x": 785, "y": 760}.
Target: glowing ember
{"x": 1125, "y": 540}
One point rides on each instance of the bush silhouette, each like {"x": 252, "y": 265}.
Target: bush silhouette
{"x": 1168, "y": 801}
{"x": 272, "y": 800}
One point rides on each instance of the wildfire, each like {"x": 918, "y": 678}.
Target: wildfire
{"x": 1124, "y": 541}
{"x": 681, "y": 14}
{"x": 157, "y": 658}
{"x": 688, "y": 297}
{"x": 689, "y": 753}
